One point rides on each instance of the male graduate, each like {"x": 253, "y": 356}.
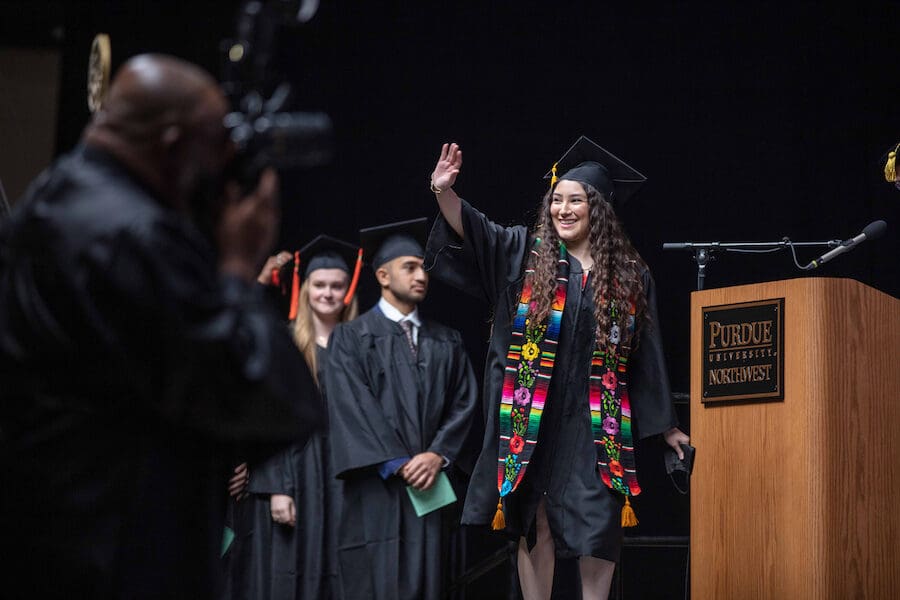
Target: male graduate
{"x": 401, "y": 396}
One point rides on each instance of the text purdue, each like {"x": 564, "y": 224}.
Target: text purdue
{"x": 736, "y": 335}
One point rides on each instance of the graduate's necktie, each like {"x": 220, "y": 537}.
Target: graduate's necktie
{"x": 407, "y": 327}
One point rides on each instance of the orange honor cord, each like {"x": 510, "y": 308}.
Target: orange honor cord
{"x": 355, "y": 280}
{"x": 295, "y": 287}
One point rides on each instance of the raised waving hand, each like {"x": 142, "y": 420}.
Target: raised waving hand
{"x": 447, "y": 168}
{"x": 442, "y": 179}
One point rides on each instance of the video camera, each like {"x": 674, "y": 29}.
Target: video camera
{"x": 262, "y": 128}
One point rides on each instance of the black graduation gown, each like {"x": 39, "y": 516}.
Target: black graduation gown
{"x": 129, "y": 369}
{"x": 384, "y": 405}
{"x": 279, "y": 562}
{"x": 584, "y": 515}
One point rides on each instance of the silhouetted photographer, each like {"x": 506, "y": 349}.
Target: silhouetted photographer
{"x": 135, "y": 349}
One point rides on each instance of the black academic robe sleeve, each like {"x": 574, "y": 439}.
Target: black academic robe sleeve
{"x": 274, "y": 475}
{"x": 485, "y": 263}
{"x": 361, "y": 437}
{"x": 457, "y": 418}
{"x": 229, "y": 368}
{"x": 648, "y": 380}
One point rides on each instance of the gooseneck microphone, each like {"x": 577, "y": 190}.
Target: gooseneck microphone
{"x": 873, "y": 230}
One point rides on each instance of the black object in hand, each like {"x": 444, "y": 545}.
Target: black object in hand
{"x": 685, "y": 466}
{"x": 673, "y": 463}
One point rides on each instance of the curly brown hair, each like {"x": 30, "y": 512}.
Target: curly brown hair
{"x": 617, "y": 268}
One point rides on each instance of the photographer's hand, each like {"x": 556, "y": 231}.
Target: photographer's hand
{"x": 248, "y": 227}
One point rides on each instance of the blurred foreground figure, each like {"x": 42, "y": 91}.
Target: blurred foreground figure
{"x": 135, "y": 353}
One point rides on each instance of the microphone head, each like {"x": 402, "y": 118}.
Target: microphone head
{"x": 875, "y": 229}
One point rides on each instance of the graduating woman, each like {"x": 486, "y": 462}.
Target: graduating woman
{"x": 575, "y": 370}
{"x": 293, "y": 496}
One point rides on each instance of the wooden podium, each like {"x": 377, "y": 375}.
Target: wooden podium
{"x": 800, "y": 497}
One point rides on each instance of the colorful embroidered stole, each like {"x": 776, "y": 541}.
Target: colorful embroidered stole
{"x": 529, "y": 368}
{"x": 611, "y": 412}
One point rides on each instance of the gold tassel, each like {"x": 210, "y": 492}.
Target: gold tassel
{"x": 890, "y": 168}
{"x": 553, "y": 177}
{"x": 629, "y": 519}
{"x": 499, "y": 521}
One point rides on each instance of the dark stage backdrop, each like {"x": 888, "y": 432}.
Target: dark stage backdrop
{"x": 752, "y": 122}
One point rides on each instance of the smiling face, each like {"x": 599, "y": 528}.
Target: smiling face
{"x": 327, "y": 288}
{"x": 569, "y": 212}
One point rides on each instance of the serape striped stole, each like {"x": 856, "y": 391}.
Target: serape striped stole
{"x": 529, "y": 368}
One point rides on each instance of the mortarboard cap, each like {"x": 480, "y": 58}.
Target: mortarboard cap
{"x": 586, "y": 162}
{"x": 326, "y": 252}
{"x": 387, "y": 242}
{"x": 323, "y": 252}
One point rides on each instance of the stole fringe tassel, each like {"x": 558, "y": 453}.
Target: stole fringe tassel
{"x": 499, "y": 521}
{"x": 629, "y": 519}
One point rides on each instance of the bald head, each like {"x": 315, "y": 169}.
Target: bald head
{"x": 151, "y": 92}
{"x": 162, "y": 118}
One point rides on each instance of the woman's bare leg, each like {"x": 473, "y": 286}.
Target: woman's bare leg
{"x": 596, "y": 577}
{"x": 536, "y": 567}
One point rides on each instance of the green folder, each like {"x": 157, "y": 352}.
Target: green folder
{"x": 227, "y": 538}
{"x": 437, "y": 496}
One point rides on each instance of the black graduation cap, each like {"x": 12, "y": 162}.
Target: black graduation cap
{"x": 587, "y": 162}
{"x": 322, "y": 252}
{"x": 326, "y": 252}
{"x": 387, "y": 242}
